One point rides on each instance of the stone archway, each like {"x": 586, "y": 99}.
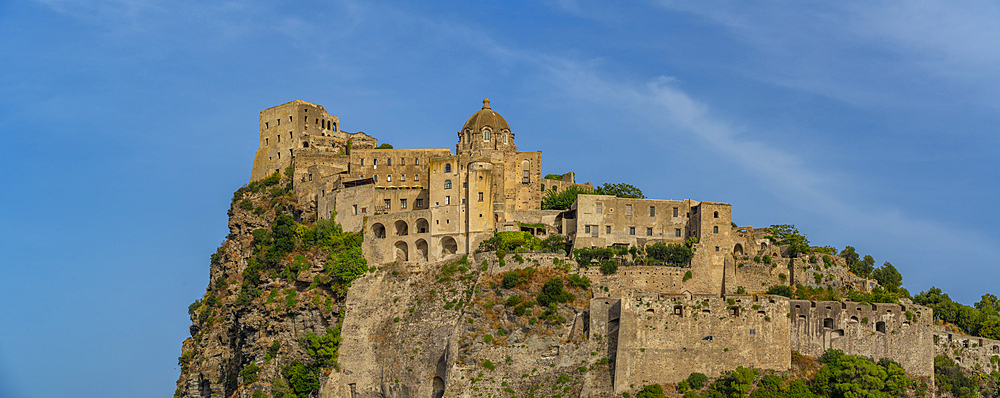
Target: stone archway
{"x": 378, "y": 230}
{"x": 401, "y": 228}
{"x": 422, "y": 226}
{"x": 422, "y": 250}
{"x": 449, "y": 245}
{"x": 738, "y": 249}
{"x": 402, "y": 254}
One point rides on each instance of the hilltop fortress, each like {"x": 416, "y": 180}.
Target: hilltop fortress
{"x": 422, "y": 207}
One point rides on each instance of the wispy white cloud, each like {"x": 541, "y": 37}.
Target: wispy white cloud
{"x": 867, "y": 54}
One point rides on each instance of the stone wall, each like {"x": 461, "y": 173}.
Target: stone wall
{"x": 898, "y": 332}
{"x": 642, "y": 279}
{"x": 664, "y": 338}
{"x": 971, "y": 353}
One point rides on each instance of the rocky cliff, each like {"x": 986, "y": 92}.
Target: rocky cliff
{"x": 293, "y": 310}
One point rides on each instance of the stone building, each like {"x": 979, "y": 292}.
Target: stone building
{"x": 662, "y": 323}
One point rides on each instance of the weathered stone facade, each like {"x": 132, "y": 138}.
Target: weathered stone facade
{"x": 420, "y": 208}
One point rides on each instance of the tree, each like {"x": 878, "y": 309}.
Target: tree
{"x": 671, "y": 254}
{"x": 564, "y": 199}
{"x": 888, "y": 277}
{"x": 621, "y": 190}
{"x": 857, "y": 376}
{"x": 787, "y": 234}
{"x": 384, "y": 146}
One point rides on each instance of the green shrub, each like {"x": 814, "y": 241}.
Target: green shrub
{"x": 323, "y": 349}
{"x": 552, "y": 292}
{"x": 609, "y": 267}
{"x": 580, "y": 281}
{"x": 249, "y": 373}
{"x": 767, "y": 259}
{"x": 488, "y": 338}
{"x": 756, "y": 259}
{"x": 740, "y": 290}
{"x": 780, "y": 290}
{"x": 696, "y": 380}
{"x": 302, "y": 380}
{"x": 511, "y": 279}
{"x": 687, "y": 275}
{"x": 513, "y": 301}
{"x": 488, "y": 365}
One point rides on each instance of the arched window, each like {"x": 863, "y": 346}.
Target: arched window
{"x": 466, "y": 136}
{"x": 716, "y": 214}
{"x": 715, "y": 230}
{"x": 447, "y": 167}
{"x": 505, "y": 139}
{"x": 447, "y": 184}
{"x": 486, "y": 134}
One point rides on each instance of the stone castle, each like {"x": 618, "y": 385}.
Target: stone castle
{"x": 423, "y": 206}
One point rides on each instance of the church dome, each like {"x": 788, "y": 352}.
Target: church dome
{"x": 486, "y": 117}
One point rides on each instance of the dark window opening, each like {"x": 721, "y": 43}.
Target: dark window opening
{"x": 675, "y": 212}
{"x": 828, "y": 323}
{"x": 880, "y": 327}
{"x": 679, "y": 311}
{"x": 706, "y": 338}
{"x": 716, "y": 214}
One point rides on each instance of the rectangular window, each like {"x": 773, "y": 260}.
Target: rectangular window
{"x": 375, "y": 177}
{"x": 447, "y": 200}
{"x": 480, "y": 196}
{"x": 265, "y": 142}
{"x": 599, "y": 208}
{"x": 323, "y": 193}
{"x": 631, "y": 230}
{"x": 362, "y": 162}
{"x": 355, "y": 209}
{"x": 420, "y": 203}
{"x": 525, "y": 179}
{"x": 416, "y": 161}
{"x": 416, "y": 177}
{"x": 402, "y": 177}
{"x": 388, "y": 204}
{"x": 402, "y": 203}
{"x": 465, "y": 185}
{"x": 402, "y": 161}
{"x": 607, "y": 229}
{"x": 652, "y": 211}
{"x": 375, "y": 162}
{"x": 310, "y": 176}
{"x": 675, "y": 212}
{"x": 388, "y": 162}
{"x": 587, "y": 229}
{"x": 364, "y": 210}
{"x": 388, "y": 178}
{"x": 677, "y": 232}
{"x": 753, "y": 331}
{"x": 649, "y": 232}
{"x": 628, "y": 210}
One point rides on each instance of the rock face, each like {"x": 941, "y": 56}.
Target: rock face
{"x": 405, "y": 329}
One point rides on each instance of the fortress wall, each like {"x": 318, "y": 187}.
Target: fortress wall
{"x": 972, "y": 353}
{"x": 664, "y": 338}
{"x": 510, "y": 263}
{"x": 644, "y": 279}
{"x": 871, "y": 330}
{"x": 756, "y": 277}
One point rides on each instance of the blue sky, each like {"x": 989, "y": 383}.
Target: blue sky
{"x": 130, "y": 123}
